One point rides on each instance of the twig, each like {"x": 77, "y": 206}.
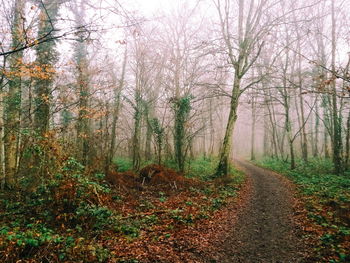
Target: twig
{"x": 98, "y": 197}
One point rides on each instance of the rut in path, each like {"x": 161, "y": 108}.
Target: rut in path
{"x": 264, "y": 231}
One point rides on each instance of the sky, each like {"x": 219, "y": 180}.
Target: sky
{"x": 148, "y": 7}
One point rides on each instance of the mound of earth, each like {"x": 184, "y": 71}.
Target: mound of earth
{"x": 156, "y": 175}
{"x": 126, "y": 179}
{"x": 151, "y": 175}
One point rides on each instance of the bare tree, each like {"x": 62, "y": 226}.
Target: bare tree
{"x": 117, "y": 90}
{"x": 242, "y": 52}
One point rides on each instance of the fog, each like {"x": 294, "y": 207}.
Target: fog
{"x": 166, "y": 80}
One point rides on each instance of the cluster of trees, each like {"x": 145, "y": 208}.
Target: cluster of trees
{"x": 304, "y": 102}
{"x": 100, "y": 81}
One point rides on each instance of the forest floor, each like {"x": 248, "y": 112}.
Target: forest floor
{"x": 265, "y": 230}
{"x": 251, "y": 215}
{"x": 157, "y": 215}
{"x": 321, "y": 206}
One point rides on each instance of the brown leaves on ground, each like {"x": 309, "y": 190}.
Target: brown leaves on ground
{"x": 324, "y": 238}
{"x": 177, "y": 218}
{"x": 165, "y": 217}
{"x": 152, "y": 176}
{"x": 313, "y": 232}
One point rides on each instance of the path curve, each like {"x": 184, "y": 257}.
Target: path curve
{"x": 264, "y": 231}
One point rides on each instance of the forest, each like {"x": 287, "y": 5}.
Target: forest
{"x": 174, "y": 131}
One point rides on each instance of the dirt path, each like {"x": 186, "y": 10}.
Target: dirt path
{"x": 264, "y": 231}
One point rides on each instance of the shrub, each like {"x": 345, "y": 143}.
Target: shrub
{"x": 100, "y": 217}
{"x": 202, "y": 168}
{"x": 123, "y": 164}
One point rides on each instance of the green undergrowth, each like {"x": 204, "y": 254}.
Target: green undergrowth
{"x": 327, "y": 199}
{"x": 58, "y": 220}
{"x": 78, "y": 217}
{"x": 123, "y": 164}
{"x": 314, "y": 178}
{"x": 202, "y": 167}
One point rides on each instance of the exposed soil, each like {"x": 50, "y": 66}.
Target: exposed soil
{"x": 265, "y": 231}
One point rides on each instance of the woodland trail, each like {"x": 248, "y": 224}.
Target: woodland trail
{"x": 264, "y": 231}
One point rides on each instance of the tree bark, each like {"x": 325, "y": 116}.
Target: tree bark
{"x": 116, "y": 108}
{"x": 252, "y": 150}
{"x": 304, "y": 144}
{"x": 136, "y": 156}
{"x": 241, "y": 57}
{"x": 337, "y": 138}
{"x": 46, "y": 57}
{"x": 148, "y": 117}
{"x": 2, "y": 144}
{"x": 271, "y": 114}
{"x": 317, "y": 127}
{"x": 347, "y": 142}
{"x": 224, "y": 154}
{"x": 83, "y": 125}
{"x": 13, "y": 98}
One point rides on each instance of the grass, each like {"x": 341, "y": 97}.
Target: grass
{"x": 327, "y": 199}
{"x": 314, "y": 178}
{"x": 124, "y": 164}
{"x": 202, "y": 167}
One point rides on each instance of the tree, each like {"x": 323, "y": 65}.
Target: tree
{"x": 117, "y": 90}
{"x": 242, "y": 52}
{"x": 13, "y": 98}
{"x": 83, "y": 125}
{"x": 337, "y": 143}
{"x": 252, "y": 150}
{"x": 46, "y": 56}
{"x": 158, "y": 132}
{"x": 142, "y": 69}
{"x": 182, "y": 108}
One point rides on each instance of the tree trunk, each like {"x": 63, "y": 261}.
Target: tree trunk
{"x": 317, "y": 127}
{"x": 159, "y": 150}
{"x": 46, "y": 57}
{"x": 212, "y": 130}
{"x": 182, "y": 107}
{"x": 83, "y": 123}
{"x": 223, "y": 166}
{"x": 337, "y": 138}
{"x": 252, "y": 150}
{"x": 304, "y": 143}
{"x": 274, "y": 132}
{"x": 326, "y": 132}
{"x": 2, "y": 144}
{"x": 136, "y": 157}
{"x": 347, "y": 141}
{"x": 288, "y": 127}
{"x": 204, "y": 138}
{"x": 266, "y": 130}
{"x": 115, "y": 117}
{"x": 13, "y": 98}
{"x": 292, "y": 156}
{"x": 148, "y": 116}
